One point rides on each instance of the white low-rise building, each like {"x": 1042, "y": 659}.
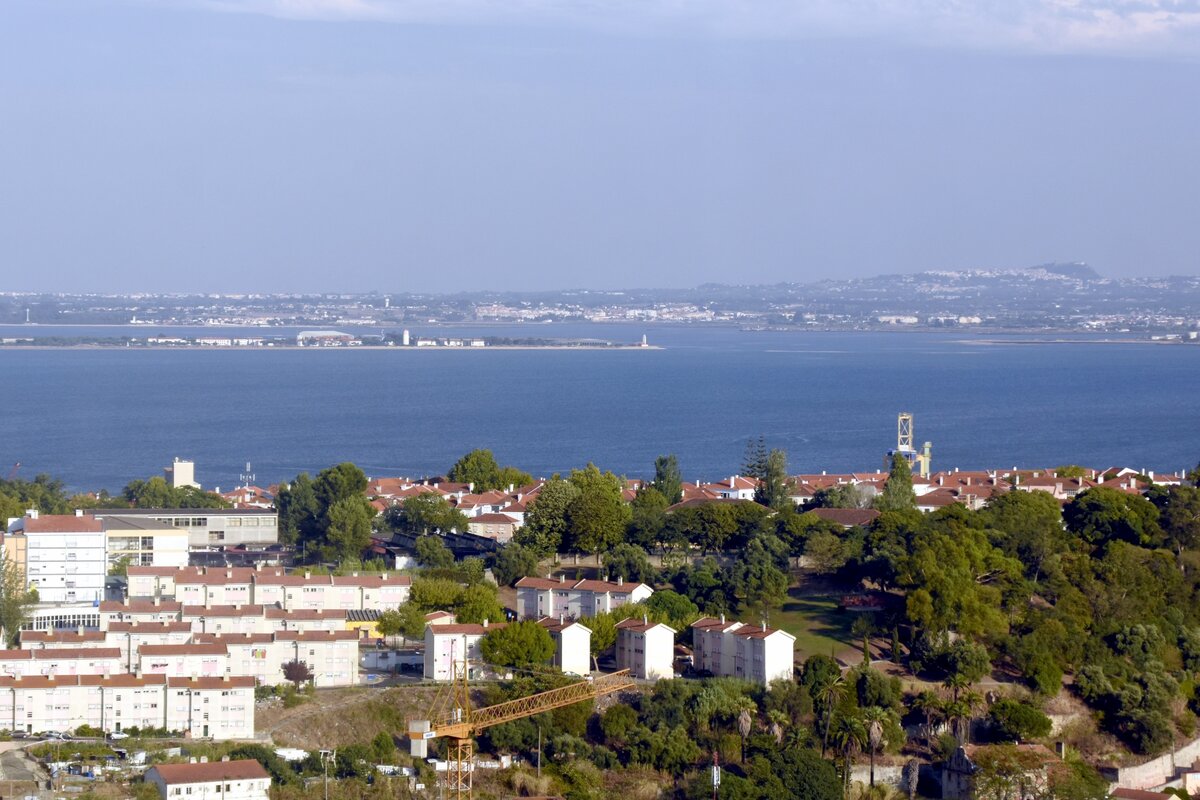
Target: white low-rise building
{"x": 220, "y": 708}
{"x": 646, "y": 649}
{"x": 62, "y": 661}
{"x": 750, "y": 652}
{"x": 447, "y": 645}
{"x": 216, "y": 780}
{"x": 184, "y": 660}
{"x": 227, "y": 619}
{"x": 572, "y": 645}
{"x": 139, "y": 611}
{"x": 143, "y": 541}
{"x": 331, "y": 656}
{"x": 558, "y": 597}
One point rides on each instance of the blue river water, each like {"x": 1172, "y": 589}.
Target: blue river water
{"x": 98, "y": 418}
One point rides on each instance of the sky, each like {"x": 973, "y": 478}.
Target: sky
{"x": 450, "y": 145}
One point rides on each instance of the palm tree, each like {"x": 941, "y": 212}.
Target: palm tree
{"x": 848, "y": 736}
{"x": 778, "y": 721}
{"x": 932, "y": 707}
{"x": 745, "y": 724}
{"x": 956, "y": 682}
{"x": 829, "y": 696}
{"x": 956, "y": 712}
{"x": 972, "y": 702}
{"x": 875, "y": 718}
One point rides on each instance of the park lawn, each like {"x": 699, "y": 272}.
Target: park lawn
{"x": 818, "y": 625}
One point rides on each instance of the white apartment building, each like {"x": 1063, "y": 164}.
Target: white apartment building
{"x": 139, "y": 611}
{"x": 448, "y": 644}
{"x": 307, "y": 619}
{"x": 215, "y": 780}
{"x": 763, "y": 654}
{"x": 191, "y": 660}
{"x": 143, "y": 541}
{"x": 572, "y": 645}
{"x": 646, "y": 649}
{"x": 229, "y": 586}
{"x": 558, "y": 597}
{"x": 331, "y": 656}
{"x": 53, "y": 661}
{"x": 712, "y": 650}
{"x": 65, "y": 556}
{"x": 346, "y": 592}
{"x": 735, "y": 650}
{"x": 228, "y": 619}
{"x": 218, "y": 709}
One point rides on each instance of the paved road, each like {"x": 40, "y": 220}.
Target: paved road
{"x": 16, "y": 766}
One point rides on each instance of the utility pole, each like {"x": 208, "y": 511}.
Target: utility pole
{"x": 326, "y": 757}
{"x": 716, "y": 774}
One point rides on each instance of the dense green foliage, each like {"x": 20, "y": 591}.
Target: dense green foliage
{"x": 479, "y": 468}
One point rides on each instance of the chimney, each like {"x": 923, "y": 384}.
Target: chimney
{"x": 228, "y": 573}
{"x": 645, "y": 619}
{"x": 32, "y": 513}
{"x": 203, "y": 759}
{"x": 79, "y": 512}
{"x": 307, "y": 574}
{"x": 620, "y": 580}
{"x": 722, "y": 617}
{"x": 562, "y": 578}
{"x": 224, "y": 758}
{"x": 485, "y": 622}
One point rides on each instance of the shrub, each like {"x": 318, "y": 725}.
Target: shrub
{"x": 1015, "y": 721}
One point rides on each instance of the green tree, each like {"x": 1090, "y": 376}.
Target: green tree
{"x": 1014, "y": 721}
{"x": 667, "y": 480}
{"x": 754, "y": 462}
{"x": 898, "y": 492}
{"x": 648, "y": 517}
{"x": 407, "y": 621}
{"x": 676, "y": 610}
{"x": 477, "y": 467}
{"x": 1102, "y": 515}
{"x": 339, "y": 482}
{"x": 596, "y": 518}
{"x": 426, "y": 513}
{"x": 518, "y": 644}
{"x": 433, "y": 553}
{"x": 545, "y": 526}
{"x": 514, "y": 562}
{"x": 157, "y": 493}
{"x": 754, "y": 582}
{"x": 479, "y": 604}
{"x": 630, "y": 562}
{"x": 299, "y": 510}
{"x": 1179, "y": 516}
{"x": 349, "y": 529}
{"x": 825, "y": 552}
{"x": 435, "y": 594}
{"x": 1029, "y": 527}
{"x": 772, "y": 490}
{"x": 16, "y": 599}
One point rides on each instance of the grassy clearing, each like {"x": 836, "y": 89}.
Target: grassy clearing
{"x": 818, "y": 625}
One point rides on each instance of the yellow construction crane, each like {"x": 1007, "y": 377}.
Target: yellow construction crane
{"x": 452, "y": 717}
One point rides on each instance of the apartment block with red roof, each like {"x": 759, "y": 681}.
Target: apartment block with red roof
{"x": 731, "y": 649}
{"x": 558, "y": 597}
{"x": 646, "y": 649}
{"x": 221, "y": 708}
{"x": 450, "y": 644}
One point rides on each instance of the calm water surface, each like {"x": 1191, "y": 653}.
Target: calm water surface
{"x": 99, "y": 418}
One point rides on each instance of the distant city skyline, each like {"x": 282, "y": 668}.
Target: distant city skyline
{"x": 359, "y": 145}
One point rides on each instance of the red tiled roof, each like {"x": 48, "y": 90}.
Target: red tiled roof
{"x": 62, "y": 523}
{"x": 237, "y": 682}
{"x": 181, "y": 650}
{"x": 469, "y": 629}
{"x": 212, "y": 772}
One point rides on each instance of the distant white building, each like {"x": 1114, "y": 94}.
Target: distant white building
{"x": 245, "y": 779}
{"x": 646, "y": 649}
{"x": 182, "y": 473}
{"x": 735, "y": 650}
{"x": 572, "y": 645}
{"x": 558, "y": 597}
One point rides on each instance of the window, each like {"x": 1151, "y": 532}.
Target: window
{"x": 216, "y": 536}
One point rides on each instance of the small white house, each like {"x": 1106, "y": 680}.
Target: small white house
{"x": 558, "y": 597}
{"x": 244, "y": 779}
{"x": 646, "y": 649}
{"x": 448, "y": 644}
{"x": 572, "y": 645}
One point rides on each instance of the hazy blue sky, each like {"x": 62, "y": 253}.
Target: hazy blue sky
{"x": 253, "y": 145}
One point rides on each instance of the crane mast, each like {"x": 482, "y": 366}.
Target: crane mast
{"x": 453, "y": 718}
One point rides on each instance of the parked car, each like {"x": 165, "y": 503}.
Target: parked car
{"x": 117, "y": 735}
